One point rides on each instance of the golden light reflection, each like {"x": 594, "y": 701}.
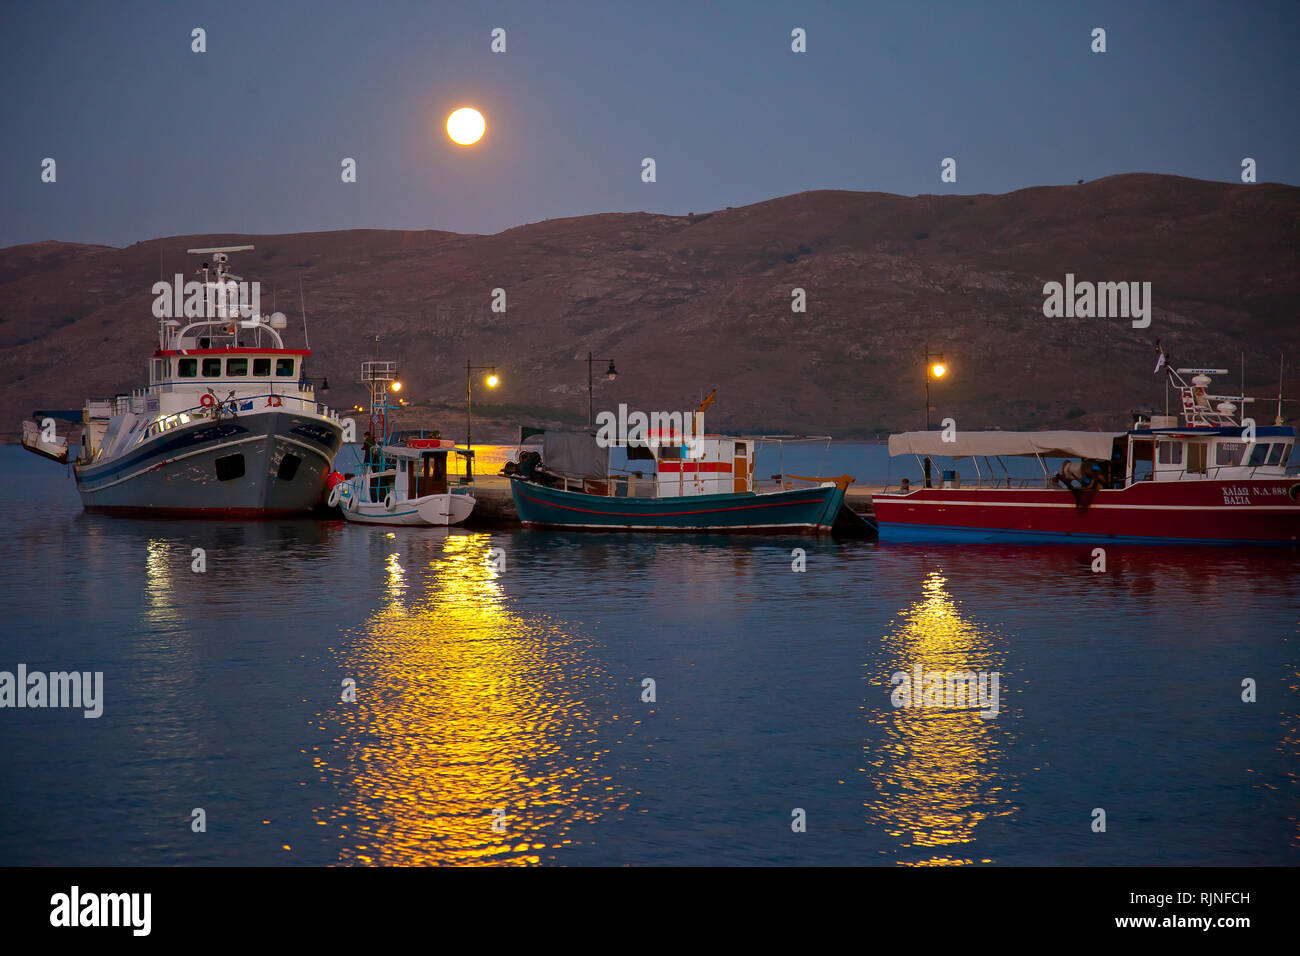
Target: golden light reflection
{"x": 936, "y": 769}
{"x": 463, "y": 708}
{"x": 396, "y": 576}
{"x": 160, "y": 595}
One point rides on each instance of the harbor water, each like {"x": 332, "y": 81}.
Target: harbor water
{"x": 301, "y": 692}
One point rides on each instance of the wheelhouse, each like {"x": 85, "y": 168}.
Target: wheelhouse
{"x": 1211, "y": 443}
{"x": 1173, "y": 454}
{"x": 703, "y": 465}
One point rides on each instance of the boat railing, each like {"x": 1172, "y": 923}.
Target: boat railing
{"x": 980, "y": 484}
{"x": 230, "y": 408}
{"x": 1215, "y": 473}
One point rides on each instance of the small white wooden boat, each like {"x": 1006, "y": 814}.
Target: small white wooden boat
{"x": 44, "y": 443}
{"x": 409, "y": 487}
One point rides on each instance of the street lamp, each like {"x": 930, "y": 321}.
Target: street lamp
{"x": 611, "y": 373}
{"x": 936, "y": 367}
{"x": 491, "y": 381}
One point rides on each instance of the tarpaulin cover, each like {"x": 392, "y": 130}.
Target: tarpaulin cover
{"x": 1057, "y": 444}
{"x": 575, "y": 454}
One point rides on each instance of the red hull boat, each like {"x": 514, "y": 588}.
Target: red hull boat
{"x": 1263, "y": 511}
{"x": 1212, "y": 479}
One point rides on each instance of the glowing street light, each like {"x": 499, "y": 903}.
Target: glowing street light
{"x": 396, "y": 386}
{"x": 492, "y": 381}
{"x": 936, "y": 368}
{"x": 611, "y": 373}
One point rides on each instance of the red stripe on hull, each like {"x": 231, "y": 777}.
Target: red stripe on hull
{"x": 1205, "y": 510}
{"x": 668, "y": 514}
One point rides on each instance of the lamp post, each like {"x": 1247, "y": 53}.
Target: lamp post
{"x": 611, "y": 373}
{"x": 491, "y": 382}
{"x": 935, "y": 368}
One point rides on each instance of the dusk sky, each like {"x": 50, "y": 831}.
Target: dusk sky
{"x": 151, "y": 139}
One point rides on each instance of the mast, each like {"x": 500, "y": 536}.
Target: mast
{"x": 1281, "y": 363}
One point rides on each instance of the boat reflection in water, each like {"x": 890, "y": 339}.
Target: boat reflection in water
{"x": 469, "y": 740}
{"x": 936, "y": 770}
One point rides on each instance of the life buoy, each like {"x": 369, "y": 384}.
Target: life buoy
{"x": 352, "y": 502}
{"x": 272, "y": 401}
{"x": 207, "y": 401}
{"x": 1294, "y": 492}
{"x": 335, "y": 494}
{"x": 390, "y": 503}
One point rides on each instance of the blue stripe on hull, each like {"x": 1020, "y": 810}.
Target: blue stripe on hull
{"x": 176, "y": 474}
{"x": 945, "y": 534}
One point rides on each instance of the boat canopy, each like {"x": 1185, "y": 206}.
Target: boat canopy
{"x": 576, "y": 454}
{"x": 1054, "y": 444}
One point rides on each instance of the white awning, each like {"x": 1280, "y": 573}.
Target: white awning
{"x": 1049, "y": 444}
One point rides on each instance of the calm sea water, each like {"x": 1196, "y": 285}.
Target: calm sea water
{"x": 499, "y": 714}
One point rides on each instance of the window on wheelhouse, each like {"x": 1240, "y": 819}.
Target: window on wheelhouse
{"x": 670, "y": 453}
{"x": 1278, "y": 455}
{"x": 284, "y": 368}
{"x": 1143, "y": 454}
{"x": 261, "y": 367}
{"x": 1229, "y": 453}
{"x": 1259, "y": 454}
{"x": 212, "y": 368}
{"x": 187, "y": 368}
{"x": 237, "y": 367}
{"x": 1170, "y": 452}
{"x": 1197, "y": 453}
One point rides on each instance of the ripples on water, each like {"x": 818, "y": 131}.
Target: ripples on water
{"x": 499, "y": 715}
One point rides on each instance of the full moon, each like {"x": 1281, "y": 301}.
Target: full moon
{"x": 466, "y": 126}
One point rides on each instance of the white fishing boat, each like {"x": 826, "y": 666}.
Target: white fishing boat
{"x": 404, "y": 479}
{"x": 43, "y": 441}
{"x": 411, "y": 490}
{"x": 228, "y": 425}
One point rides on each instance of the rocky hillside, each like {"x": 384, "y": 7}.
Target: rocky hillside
{"x": 685, "y": 304}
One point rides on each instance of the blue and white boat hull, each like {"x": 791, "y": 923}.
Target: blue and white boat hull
{"x": 263, "y": 464}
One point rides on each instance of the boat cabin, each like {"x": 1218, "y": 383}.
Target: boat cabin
{"x": 1211, "y": 442}
{"x": 417, "y": 467}
{"x": 703, "y": 465}
{"x": 1180, "y": 454}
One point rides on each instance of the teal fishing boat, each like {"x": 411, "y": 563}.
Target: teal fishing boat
{"x": 803, "y": 510}
{"x": 685, "y": 482}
